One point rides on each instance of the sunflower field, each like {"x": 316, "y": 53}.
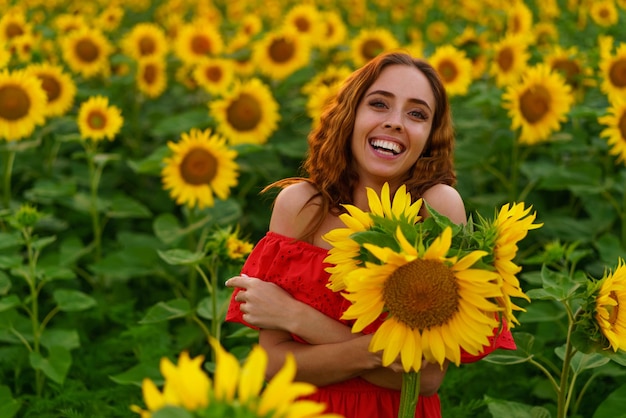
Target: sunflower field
{"x": 136, "y": 136}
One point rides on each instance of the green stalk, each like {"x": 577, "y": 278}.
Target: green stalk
{"x": 409, "y": 394}
{"x": 34, "y": 305}
{"x": 8, "y": 158}
{"x": 95, "y": 173}
{"x": 565, "y": 388}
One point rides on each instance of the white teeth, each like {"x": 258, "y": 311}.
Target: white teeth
{"x": 387, "y": 146}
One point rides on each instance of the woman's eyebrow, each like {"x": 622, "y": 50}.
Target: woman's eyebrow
{"x": 389, "y": 94}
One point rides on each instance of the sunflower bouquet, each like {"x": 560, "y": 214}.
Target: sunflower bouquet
{"x": 440, "y": 287}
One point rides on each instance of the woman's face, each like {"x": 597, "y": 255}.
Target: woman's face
{"x": 392, "y": 124}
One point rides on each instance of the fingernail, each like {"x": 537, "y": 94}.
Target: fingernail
{"x": 244, "y": 275}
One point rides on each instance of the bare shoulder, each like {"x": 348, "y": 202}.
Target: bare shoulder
{"x": 447, "y": 201}
{"x": 291, "y": 213}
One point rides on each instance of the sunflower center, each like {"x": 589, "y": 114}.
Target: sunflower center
{"x": 214, "y": 74}
{"x": 303, "y": 25}
{"x": 245, "y": 113}
{"x": 422, "y": 294}
{"x": 281, "y": 50}
{"x": 535, "y": 103}
{"x": 569, "y": 68}
{"x": 146, "y": 46}
{"x": 150, "y": 74}
{"x": 448, "y": 71}
{"x": 87, "y": 51}
{"x": 51, "y": 86}
{"x": 617, "y": 73}
{"x": 13, "y": 30}
{"x": 14, "y": 102}
{"x": 96, "y": 120}
{"x": 371, "y": 48}
{"x": 198, "y": 167}
{"x": 201, "y": 45}
{"x": 505, "y": 59}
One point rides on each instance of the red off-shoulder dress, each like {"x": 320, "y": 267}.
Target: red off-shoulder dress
{"x": 298, "y": 267}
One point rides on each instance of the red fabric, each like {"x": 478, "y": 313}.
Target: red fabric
{"x": 298, "y": 268}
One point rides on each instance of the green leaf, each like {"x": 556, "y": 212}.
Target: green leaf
{"x": 542, "y": 311}
{"x": 165, "y": 311}
{"x": 66, "y": 338}
{"x": 178, "y": 122}
{"x": 508, "y": 409}
{"x": 613, "y": 405}
{"x": 122, "y": 206}
{"x": 179, "y": 256}
{"x": 205, "y": 308}
{"x": 10, "y": 240}
{"x": 524, "y": 342}
{"x": 43, "y": 242}
{"x": 152, "y": 164}
{"x": 55, "y": 366}
{"x": 136, "y": 374}
{"x": 69, "y": 300}
{"x": 9, "y": 302}
{"x": 173, "y": 412}
{"x": 581, "y": 361}
{"x": 8, "y": 405}
{"x": 51, "y": 273}
{"x": 167, "y": 228}
{"x": 10, "y": 261}
{"x": 5, "y": 283}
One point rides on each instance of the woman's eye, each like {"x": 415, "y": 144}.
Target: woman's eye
{"x": 377, "y": 103}
{"x": 418, "y": 114}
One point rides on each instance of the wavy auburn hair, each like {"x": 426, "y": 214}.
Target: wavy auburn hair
{"x": 328, "y": 165}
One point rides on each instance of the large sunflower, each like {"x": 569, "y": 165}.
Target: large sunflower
{"x": 280, "y": 53}
{"x": 59, "y": 87}
{"x": 538, "y": 104}
{"x": 247, "y": 113}
{"x": 435, "y": 305}
{"x": 571, "y": 64}
{"x": 335, "y": 30}
{"x": 145, "y": 40}
{"x": 214, "y": 75}
{"x": 195, "y": 41}
{"x": 202, "y": 166}
{"x": 13, "y": 25}
{"x": 98, "y": 120}
{"x": 22, "y": 104}
{"x": 615, "y": 129}
{"x": 604, "y": 12}
{"x": 508, "y": 228}
{"x": 474, "y": 45}
{"x": 454, "y": 68}
{"x": 610, "y": 313}
{"x": 306, "y": 20}
{"x": 86, "y": 51}
{"x": 345, "y": 254}
{"x": 509, "y": 59}
{"x": 151, "y": 77}
{"x": 237, "y": 390}
{"x": 613, "y": 71}
{"x": 369, "y": 43}
{"x": 519, "y": 19}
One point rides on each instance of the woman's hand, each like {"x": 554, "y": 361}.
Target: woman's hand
{"x": 263, "y": 304}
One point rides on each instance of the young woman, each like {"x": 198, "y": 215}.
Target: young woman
{"x": 390, "y": 122}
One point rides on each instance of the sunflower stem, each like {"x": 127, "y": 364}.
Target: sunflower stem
{"x": 8, "y": 158}
{"x": 409, "y": 394}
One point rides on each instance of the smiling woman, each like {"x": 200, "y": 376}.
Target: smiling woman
{"x": 389, "y": 124}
